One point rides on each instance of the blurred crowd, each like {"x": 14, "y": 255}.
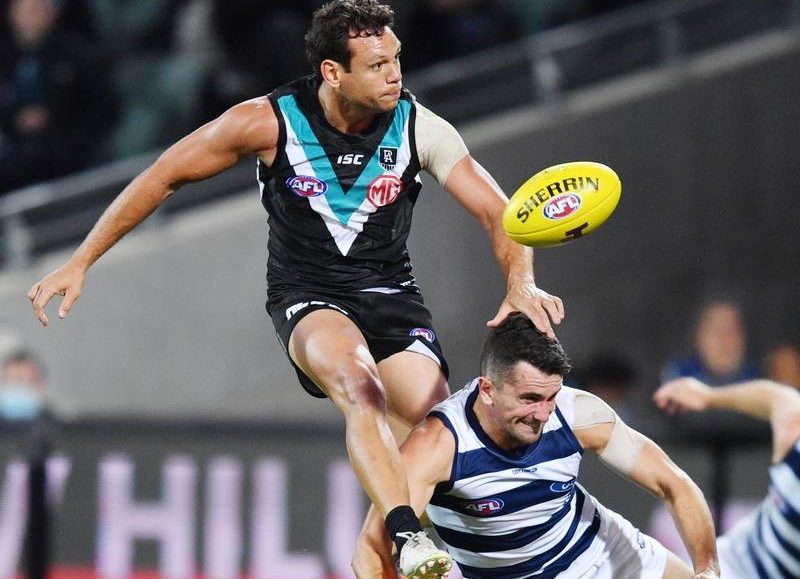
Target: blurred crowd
{"x": 84, "y": 82}
{"x": 718, "y": 350}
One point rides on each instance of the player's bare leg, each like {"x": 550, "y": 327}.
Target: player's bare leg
{"x": 413, "y": 383}
{"x": 331, "y": 350}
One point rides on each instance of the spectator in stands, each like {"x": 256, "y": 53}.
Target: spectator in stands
{"x": 783, "y": 364}
{"x": 77, "y": 16}
{"x": 719, "y": 354}
{"x": 603, "y": 6}
{"x": 54, "y": 99}
{"x": 441, "y": 29}
{"x": 532, "y": 17}
{"x": 251, "y": 33}
{"x": 610, "y": 377}
{"x": 22, "y": 387}
{"x": 157, "y": 84}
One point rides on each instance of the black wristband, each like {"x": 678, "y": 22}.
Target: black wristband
{"x": 403, "y": 520}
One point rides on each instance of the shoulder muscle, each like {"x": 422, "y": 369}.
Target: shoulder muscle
{"x": 428, "y": 451}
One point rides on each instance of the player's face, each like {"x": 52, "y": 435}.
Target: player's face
{"x": 522, "y": 405}
{"x": 374, "y": 80}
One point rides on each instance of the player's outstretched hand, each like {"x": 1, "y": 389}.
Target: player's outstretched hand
{"x": 538, "y": 305}
{"x": 66, "y": 281}
{"x": 681, "y": 395}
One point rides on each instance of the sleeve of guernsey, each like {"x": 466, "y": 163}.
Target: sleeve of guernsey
{"x": 439, "y": 146}
{"x": 624, "y": 445}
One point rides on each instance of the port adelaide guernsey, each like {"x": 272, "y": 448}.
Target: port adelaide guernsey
{"x": 340, "y": 205}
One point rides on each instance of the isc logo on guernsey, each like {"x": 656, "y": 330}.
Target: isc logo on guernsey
{"x": 306, "y": 186}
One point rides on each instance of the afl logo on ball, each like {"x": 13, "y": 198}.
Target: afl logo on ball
{"x": 306, "y": 186}
{"x": 562, "y": 206}
{"x": 423, "y": 333}
{"x": 384, "y": 190}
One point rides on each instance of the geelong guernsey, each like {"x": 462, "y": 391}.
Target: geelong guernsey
{"x": 340, "y": 205}
{"x": 766, "y": 545}
{"x": 512, "y": 515}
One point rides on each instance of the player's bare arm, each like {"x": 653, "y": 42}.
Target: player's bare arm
{"x": 472, "y": 186}
{"x": 762, "y": 399}
{"x": 657, "y": 473}
{"x": 427, "y": 456}
{"x": 249, "y": 128}
{"x": 642, "y": 461}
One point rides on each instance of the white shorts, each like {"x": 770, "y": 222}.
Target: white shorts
{"x": 619, "y": 551}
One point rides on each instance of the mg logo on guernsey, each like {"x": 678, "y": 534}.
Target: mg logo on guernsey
{"x": 562, "y": 206}
{"x": 483, "y": 507}
{"x": 384, "y": 190}
{"x": 306, "y": 186}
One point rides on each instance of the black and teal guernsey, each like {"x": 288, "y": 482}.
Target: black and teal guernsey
{"x": 339, "y": 205}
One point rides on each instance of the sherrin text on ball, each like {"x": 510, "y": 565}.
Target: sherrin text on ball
{"x": 562, "y": 203}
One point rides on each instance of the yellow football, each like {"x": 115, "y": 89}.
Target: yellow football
{"x": 562, "y": 203}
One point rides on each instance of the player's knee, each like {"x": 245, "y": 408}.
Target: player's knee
{"x": 361, "y": 390}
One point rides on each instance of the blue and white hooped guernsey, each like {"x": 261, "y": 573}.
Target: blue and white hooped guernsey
{"x": 766, "y": 545}
{"x": 512, "y": 515}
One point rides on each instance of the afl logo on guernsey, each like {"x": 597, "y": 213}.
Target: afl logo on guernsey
{"x": 423, "y": 333}
{"x": 384, "y": 190}
{"x": 562, "y": 206}
{"x": 483, "y": 507}
{"x": 306, "y": 186}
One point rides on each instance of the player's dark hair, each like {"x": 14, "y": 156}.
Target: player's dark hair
{"x": 340, "y": 20}
{"x": 516, "y": 340}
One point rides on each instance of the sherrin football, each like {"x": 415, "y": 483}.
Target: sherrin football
{"x": 562, "y": 203}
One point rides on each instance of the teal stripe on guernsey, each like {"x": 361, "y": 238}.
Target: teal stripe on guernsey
{"x": 342, "y": 203}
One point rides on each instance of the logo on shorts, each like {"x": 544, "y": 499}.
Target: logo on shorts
{"x": 562, "y": 206}
{"x": 387, "y": 157}
{"x": 423, "y": 333}
{"x": 562, "y": 487}
{"x": 306, "y": 186}
{"x": 483, "y": 507}
{"x": 293, "y": 309}
{"x": 384, "y": 190}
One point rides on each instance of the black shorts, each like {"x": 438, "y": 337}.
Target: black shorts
{"x": 390, "y": 322}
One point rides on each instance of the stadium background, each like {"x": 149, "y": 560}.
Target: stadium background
{"x": 169, "y": 362}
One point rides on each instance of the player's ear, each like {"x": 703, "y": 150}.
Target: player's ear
{"x": 486, "y": 390}
{"x": 330, "y": 71}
